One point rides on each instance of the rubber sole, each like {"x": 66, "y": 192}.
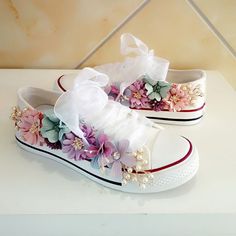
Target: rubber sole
{"x": 175, "y": 118}
{"x": 164, "y": 179}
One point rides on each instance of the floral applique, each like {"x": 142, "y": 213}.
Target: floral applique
{"x": 74, "y": 147}
{"x": 177, "y": 99}
{"x": 157, "y": 90}
{"x": 53, "y": 130}
{"x": 148, "y": 94}
{"x": 29, "y": 125}
{"x": 37, "y": 128}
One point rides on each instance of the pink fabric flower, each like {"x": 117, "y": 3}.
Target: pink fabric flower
{"x": 73, "y": 146}
{"x": 112, "y": 91}
{"x": 177, "y": 99}
{"x": 120, "y": 157}
{"x": 138, "y": 97}
{"x": 29, "y": 127}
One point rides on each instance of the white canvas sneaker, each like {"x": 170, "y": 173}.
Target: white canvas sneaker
{"x": 100, "y": 138}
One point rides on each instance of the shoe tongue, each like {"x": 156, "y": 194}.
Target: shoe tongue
{"x": 119, "y": 122}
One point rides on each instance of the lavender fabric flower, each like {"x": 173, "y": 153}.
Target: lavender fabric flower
{"x": 88, "y": 133}
{"x": 73, "y": 146}
{"x": 120, "y": 157}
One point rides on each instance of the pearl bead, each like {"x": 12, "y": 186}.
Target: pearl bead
{"x": 127, "y": 176}
{"x": 134, "y": 179}
{"x": 184, "y": 88}
{"x": 139, "y": 157}
{"x": 129, "y": 170}
{"x": 145, "y": 162}
{"x": 142, "y": 186}
{"x": 145, "y": 180}
{"x": 150, "y": 176}
{"x": 140, "y": 150}
{"x": 135, "y": 154}
{"x": 138, "y": 167}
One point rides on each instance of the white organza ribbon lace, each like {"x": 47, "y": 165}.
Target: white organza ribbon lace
{"x": 141, "y": 61}
{"x": 85, "y": 97}
{"x": 87, "y": 101}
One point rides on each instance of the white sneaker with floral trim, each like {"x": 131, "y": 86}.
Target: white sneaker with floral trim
{"x": 102, "y": 139}
{"x": 145, "y": 84}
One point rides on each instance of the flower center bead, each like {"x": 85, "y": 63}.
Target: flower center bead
{"x": 137, "y": 95}
{"x": 34, "y": 128}
{"x": 157, "y": 88}
{"x": 78, "y": 144}
{"x": 116, "y": 155}
{"x": 175, "y": 99}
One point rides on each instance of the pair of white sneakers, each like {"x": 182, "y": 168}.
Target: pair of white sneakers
{"x": 94, "y": 122}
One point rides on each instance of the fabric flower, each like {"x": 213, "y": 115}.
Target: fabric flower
{"x": 103, "y": 148}
{"x": 112, "y": 91}
{"x": 29, "y": 127}
{"x": 73, "y": 146}
{"x": 156, "y": 90}
{"x": 138, "y": 97}
{"x": 55, "y": 146}
{"x": 158, "y": 106}
{"x": 177, "y": 99}
{"x": 88, "y": 133}
{"x": 120, "y": 157}
{"x": 52, "y": 128}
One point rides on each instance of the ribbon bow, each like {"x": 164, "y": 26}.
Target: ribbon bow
{"x": 130, "y": 44}
{"x": 143, "y": 61}
{"x": 84, "y": 99}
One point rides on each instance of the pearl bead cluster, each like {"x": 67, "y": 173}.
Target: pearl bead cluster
{"x": 193, "y": 92}
{"x": 142, "y": 179}
{"x": 136, "y": 174}
{"x": 16, "y": 115}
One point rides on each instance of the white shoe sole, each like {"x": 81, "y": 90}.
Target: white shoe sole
{"x": 165, "y": 178}
{"x": 188, "y": 117}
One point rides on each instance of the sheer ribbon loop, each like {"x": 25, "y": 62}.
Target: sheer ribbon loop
{"x": 139, "y": 62}
{"x": 84, "y": 99}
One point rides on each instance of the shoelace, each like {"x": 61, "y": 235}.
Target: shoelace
{"x": 88, "y": 101}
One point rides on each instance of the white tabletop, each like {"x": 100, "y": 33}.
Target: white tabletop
{"x": 31, "y": 184}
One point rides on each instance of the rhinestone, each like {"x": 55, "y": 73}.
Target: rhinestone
{"x": 116, "y": 155}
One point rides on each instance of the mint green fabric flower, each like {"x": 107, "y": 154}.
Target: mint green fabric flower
{"x": 156, "y": 90}
{"x": 52, "y": 128}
